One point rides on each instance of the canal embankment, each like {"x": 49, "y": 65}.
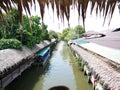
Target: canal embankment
{"x": 103, "y": 71}
{"x": 61, "y": 70}
{"x": 14, "y": 62}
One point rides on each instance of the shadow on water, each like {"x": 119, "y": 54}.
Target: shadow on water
{"x": 29, "y": 78}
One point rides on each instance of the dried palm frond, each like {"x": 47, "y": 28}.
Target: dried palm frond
{"x": 62, "y": 7}
{"x": 57, "y": 7}
{"x": 119, "y": 7}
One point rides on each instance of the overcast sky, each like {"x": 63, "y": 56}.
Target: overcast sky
{"x": 91, "y": 23}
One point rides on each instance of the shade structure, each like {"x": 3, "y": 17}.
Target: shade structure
{"x": 106, "y": 7}
{"x": 44, "y": 51}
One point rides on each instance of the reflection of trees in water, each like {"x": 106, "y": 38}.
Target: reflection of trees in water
{"x": 81, "y": 80}
{"x": 29, "y": 78}
{"x": 65, "y": 51}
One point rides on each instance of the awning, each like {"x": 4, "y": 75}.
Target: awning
{"x": 43, "y": 52}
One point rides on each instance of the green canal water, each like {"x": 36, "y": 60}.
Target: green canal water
{"x": 60, "y": 70}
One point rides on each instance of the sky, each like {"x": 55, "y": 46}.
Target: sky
{"x": 92, "y": 23}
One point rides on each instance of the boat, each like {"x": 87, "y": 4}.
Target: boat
{"x": 43, "y": 55}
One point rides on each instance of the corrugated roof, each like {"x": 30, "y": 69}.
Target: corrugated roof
{"x": 112, "y": 39}
{"x": 107, "y": 46}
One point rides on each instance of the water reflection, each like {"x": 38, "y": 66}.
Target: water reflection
{"x": 60, "y": 71}
{"x": 29, "y": 79}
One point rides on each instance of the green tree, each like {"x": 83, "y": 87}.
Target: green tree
{"x": 72, "y": 33}
{"x": 26, "y": 23}
{"x": 64, "y": 33}
{"x": 79, "y": 30}
{"x": 44, "y": 33}
{"x": 59, "y": 35}
{"x": 31, "y": 31}
{"x": 53, "y": 34}
{"x": 36, "y": 28}
{"x": 10, "y": 27}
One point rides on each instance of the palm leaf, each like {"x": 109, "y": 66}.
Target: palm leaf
{"x": 62, "y": 7}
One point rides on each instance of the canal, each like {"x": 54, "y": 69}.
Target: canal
{"x": 60, "y": 70}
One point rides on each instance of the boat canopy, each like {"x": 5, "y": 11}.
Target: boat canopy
{"x": 44, "y": 51}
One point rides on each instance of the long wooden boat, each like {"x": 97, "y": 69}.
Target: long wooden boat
{"x": 44, "y": 55}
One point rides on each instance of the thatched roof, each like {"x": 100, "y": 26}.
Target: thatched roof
{"x": 107, "y": 73}
{"x": 62, "y": 7}
{"x": 11, "y": 57}
{"x": 90, "y": 33}
{"x": 40, "y": 46}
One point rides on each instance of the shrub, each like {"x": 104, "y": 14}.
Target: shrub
{"x": 10, "y": 43}
{"x": 27, "y": 39}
